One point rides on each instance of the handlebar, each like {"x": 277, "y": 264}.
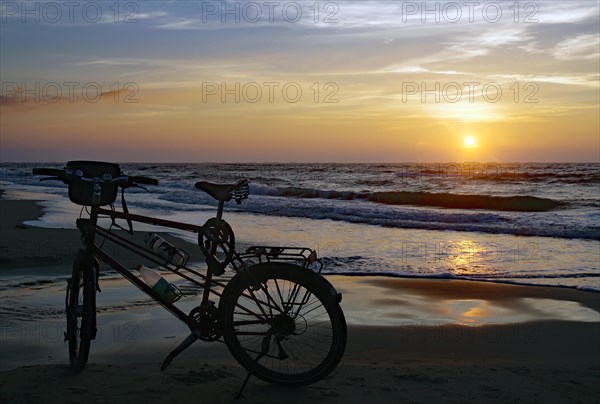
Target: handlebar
{"x": 48, "y": 171}
{"x": 68, "y": 175}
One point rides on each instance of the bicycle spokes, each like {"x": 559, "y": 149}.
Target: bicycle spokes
{"x": 284, "y": 322}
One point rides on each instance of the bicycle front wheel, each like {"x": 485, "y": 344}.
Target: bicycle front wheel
{"x": 290, "y": 331}
{"x": 81, "y": 311}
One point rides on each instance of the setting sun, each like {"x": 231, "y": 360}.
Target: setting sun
{"x": 469, "y": 142}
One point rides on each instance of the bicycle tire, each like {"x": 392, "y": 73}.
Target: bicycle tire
{"x": 311, "y": 333}
{"x": 81, "y": 311}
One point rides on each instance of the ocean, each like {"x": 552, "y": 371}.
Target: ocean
{"x": 534, "y": 223}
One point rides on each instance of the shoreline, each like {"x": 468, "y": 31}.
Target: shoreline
{"x": 449, "y": 277}
{"x": 69, "y": 242}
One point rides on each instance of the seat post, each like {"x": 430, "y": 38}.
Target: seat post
{"x": 213, "y": 251}
{"x": 220, "y": 209}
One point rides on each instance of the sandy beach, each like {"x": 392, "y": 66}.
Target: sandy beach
{"x": 409, "y": 340}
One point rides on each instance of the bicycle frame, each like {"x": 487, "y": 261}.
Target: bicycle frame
{"x": 90, "y": 230}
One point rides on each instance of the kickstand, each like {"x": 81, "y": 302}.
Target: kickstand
{"x": 186, "y": 343}
{"x": 239, "y": 394}
{"x": 264, "y": 350}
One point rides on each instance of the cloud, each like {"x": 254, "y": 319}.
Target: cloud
{"x": 459, "y": 47}
{"x": 418, "y": 70}
{"x": 422, "y": 16}
{"x": 109, "y": 62}
{"x": 36, "y": 96}
{"x": 568, "y": 12}
{"x": 150, "y": 15}
{"x": 184, "y": 23}
{"x": 588, "y": 80}
{"x": 581, "y": 47}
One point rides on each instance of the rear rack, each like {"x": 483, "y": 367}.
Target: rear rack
{"x": 302, "y": 256}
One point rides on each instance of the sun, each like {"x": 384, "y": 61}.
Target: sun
{"x": 469, "y": 142}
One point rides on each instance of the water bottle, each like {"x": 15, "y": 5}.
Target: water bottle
{"x": 166, "y": 291}
{"x": 164, "y": 249}
{"x": 180, "y": 258}
{"x": 157, "y": 244}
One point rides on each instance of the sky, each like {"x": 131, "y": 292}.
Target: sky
{"x": 314, "y": 81}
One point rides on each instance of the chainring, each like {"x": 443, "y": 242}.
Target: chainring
{"x": 206, "y": 316}
{"x": 217, "y": 232}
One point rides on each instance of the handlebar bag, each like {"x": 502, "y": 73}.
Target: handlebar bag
{"x": 81, "y": 192}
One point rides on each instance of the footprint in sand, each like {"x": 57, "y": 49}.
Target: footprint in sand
{"x": 419, "y": 377}
{"x": 199, "y": 376}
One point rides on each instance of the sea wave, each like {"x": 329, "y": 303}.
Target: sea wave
{"x": 371, "y": 194}
{"x": 446, "y": 200}
{"x": 591, "y": 176}
{"x": 270, "y": 202}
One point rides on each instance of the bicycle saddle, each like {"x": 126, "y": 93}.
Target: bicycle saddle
{"x": 224, "y": 192}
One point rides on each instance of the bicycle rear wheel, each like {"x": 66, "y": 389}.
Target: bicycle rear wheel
{"x": 81, "y": 311}
{"x": 291, "y": 331}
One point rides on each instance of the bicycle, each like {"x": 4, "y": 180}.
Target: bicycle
{"x": 280, "y": 319}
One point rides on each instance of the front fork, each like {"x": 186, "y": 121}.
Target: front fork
{"x": 81, "y": 266}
